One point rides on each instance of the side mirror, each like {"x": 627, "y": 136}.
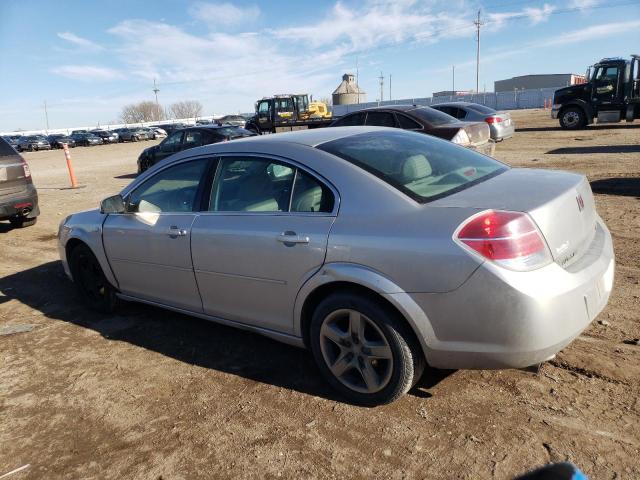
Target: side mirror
{"x": 114, "y": 204}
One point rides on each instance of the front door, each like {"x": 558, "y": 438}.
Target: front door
{"x": 265, "y": 114}
{"x": 265, "y": 234}
{"x": 149, "y": 247}
{"x": 171, "y": 145}
{"x": 606, "y": 87}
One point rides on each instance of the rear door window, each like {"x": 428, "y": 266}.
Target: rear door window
{"x": 355, "y": 119}
{"x": 381, "y": 119}
{"x": 407, "y": 123}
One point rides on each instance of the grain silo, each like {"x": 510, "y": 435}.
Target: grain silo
{"x": 348, "y": 92}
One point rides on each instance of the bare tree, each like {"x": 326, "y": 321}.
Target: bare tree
{"x": 142, "y": 112}
{"x": 186, "y": 109}
{"x": 326, "y": 101}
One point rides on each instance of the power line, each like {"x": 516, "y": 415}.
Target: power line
{"x": 155, "y": 90}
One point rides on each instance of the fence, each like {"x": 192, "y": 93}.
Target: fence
{"x": 517, "y": 99}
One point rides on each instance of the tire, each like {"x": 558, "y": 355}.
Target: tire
{"x": 22, "y": 222}
{"x": 379, "y": 362}
{"x": 31, "y": 148}
{"x": 134, "y": 138}
{"x": 95, "y": 290}
{"x": 572, "y": 118}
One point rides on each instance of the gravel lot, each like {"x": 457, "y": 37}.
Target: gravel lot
{"x": 152, "y": 394}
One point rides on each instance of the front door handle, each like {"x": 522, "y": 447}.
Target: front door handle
{"x": 291, "y": 238}
{"x": 175, "y": 232}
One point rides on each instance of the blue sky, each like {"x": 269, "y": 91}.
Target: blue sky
{"x": 87, "y": 59}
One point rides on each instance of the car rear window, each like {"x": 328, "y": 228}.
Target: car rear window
{"x": 481, "y": 109}
{"x": 6, "y": 148}
{"x": 423, "y": 167}
{"x": 432, "y": 116}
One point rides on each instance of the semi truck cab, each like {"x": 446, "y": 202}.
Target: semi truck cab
{"x": 610, "y": 94}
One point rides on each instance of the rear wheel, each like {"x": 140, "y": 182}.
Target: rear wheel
{"x": 21, "y": 222}
{"x": 573, "y": 118}
{"x": 94, "y": 289}
{"x": 364, "y": 349}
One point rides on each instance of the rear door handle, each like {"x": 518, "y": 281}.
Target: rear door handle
{"x": 175, "y": 232}
{"x": 291, "y": 238}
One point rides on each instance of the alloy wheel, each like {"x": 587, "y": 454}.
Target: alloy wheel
{"x": 356, "y": 351}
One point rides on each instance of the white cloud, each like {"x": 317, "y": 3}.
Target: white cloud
{"x": 87, "y": 72}
{"x": 583, "y": 4}
{"x": 534, "y": 14}
{"x": 223, "y": 14}
{"x": 79, "y": 41}
{"x": 591, "y": 33}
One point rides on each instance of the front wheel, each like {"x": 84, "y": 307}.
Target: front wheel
{"x": 573, "y": 118}
{"x": 364, "y": 349}
{"x": 95, "y": 290}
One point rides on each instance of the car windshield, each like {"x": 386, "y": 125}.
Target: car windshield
{"x": 432, "y": 116}
{"x": 423, "y": 167}
{"x": 481, "y": 109}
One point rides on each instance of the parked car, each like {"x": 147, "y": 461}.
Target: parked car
{"x": 13, "y": 141}
{"x": 237, "y": 120}
{"x": 56, "y": 140}
{"x": 131, "y": 134}
{"x": 18, "y": 195}
{"x": 380, "y": 249}
{"x": 33, "y": 143}
{"x": 474, "y": 135}
{"x": 150, "y": 133}
{"x": 159, "y": 132}
{"x": 86, "y": 139}
{"x": 500, "y": 124}
{"x": 171, "y": 127}
{"x": 190, "y": 137}
{"x": 107, "y": 136}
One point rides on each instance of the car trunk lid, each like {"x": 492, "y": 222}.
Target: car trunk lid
{"x": 561, "y": 204}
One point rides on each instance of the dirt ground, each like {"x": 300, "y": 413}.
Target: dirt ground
{"x": 151, "y": 394}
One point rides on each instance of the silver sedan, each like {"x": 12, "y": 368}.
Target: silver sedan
{"x": 500, "y": 124}
{"x": 380, "y": 250}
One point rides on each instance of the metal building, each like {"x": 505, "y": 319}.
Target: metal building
{"x": 348, "y": 92}
{"x": 527, "y": 82}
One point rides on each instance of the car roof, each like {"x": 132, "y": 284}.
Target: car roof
{"x": 454, "y": 104}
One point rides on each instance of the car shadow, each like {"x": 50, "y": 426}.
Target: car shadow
{"x": 6, "y": 227}
{"x": 595, "y": 149}
{"x": 623, "y": 186}
{"x": 181, "y": 337}
{"x": 589, "y": 128}
{"x": 126, "y": 176}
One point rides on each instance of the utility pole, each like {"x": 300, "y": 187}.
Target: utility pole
{"x": 389, "y": 86}
{"x": 46, "y": 116}
{"x": 381, "y": 78}
{"x": 155, "y": 90}
{"x": 358, "y": 79}
{"x": 478, "y": 24}
{"x": 453, "y": 78}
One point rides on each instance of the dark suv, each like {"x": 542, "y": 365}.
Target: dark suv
{"x": 18, "y": 196}
{"x": 189, "y": 137}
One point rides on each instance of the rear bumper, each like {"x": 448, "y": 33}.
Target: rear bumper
{"x": 487, "y": 148}
{"x": 14, "y": 205}
{"x": 499, "y": 132}
{"x": 505, "y": 319}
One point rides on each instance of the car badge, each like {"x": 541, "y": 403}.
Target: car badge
{"x": 580, "y": 202}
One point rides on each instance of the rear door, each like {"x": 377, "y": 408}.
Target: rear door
{"x": 265, "y": 234}
{"x": 149, "y": 248}
{"x": 381, "y": 119}
{"x": 13, "y": 178}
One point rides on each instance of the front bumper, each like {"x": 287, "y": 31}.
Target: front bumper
{"x": 555, "y": 109}
{"x": 504, "y": 319}
{"x": 14, "y": 205}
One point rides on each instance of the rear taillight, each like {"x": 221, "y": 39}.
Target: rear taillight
{"x": 26, "y": 169}
{"x": 493, "y": 120}
{"x": 510, "y": 239}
